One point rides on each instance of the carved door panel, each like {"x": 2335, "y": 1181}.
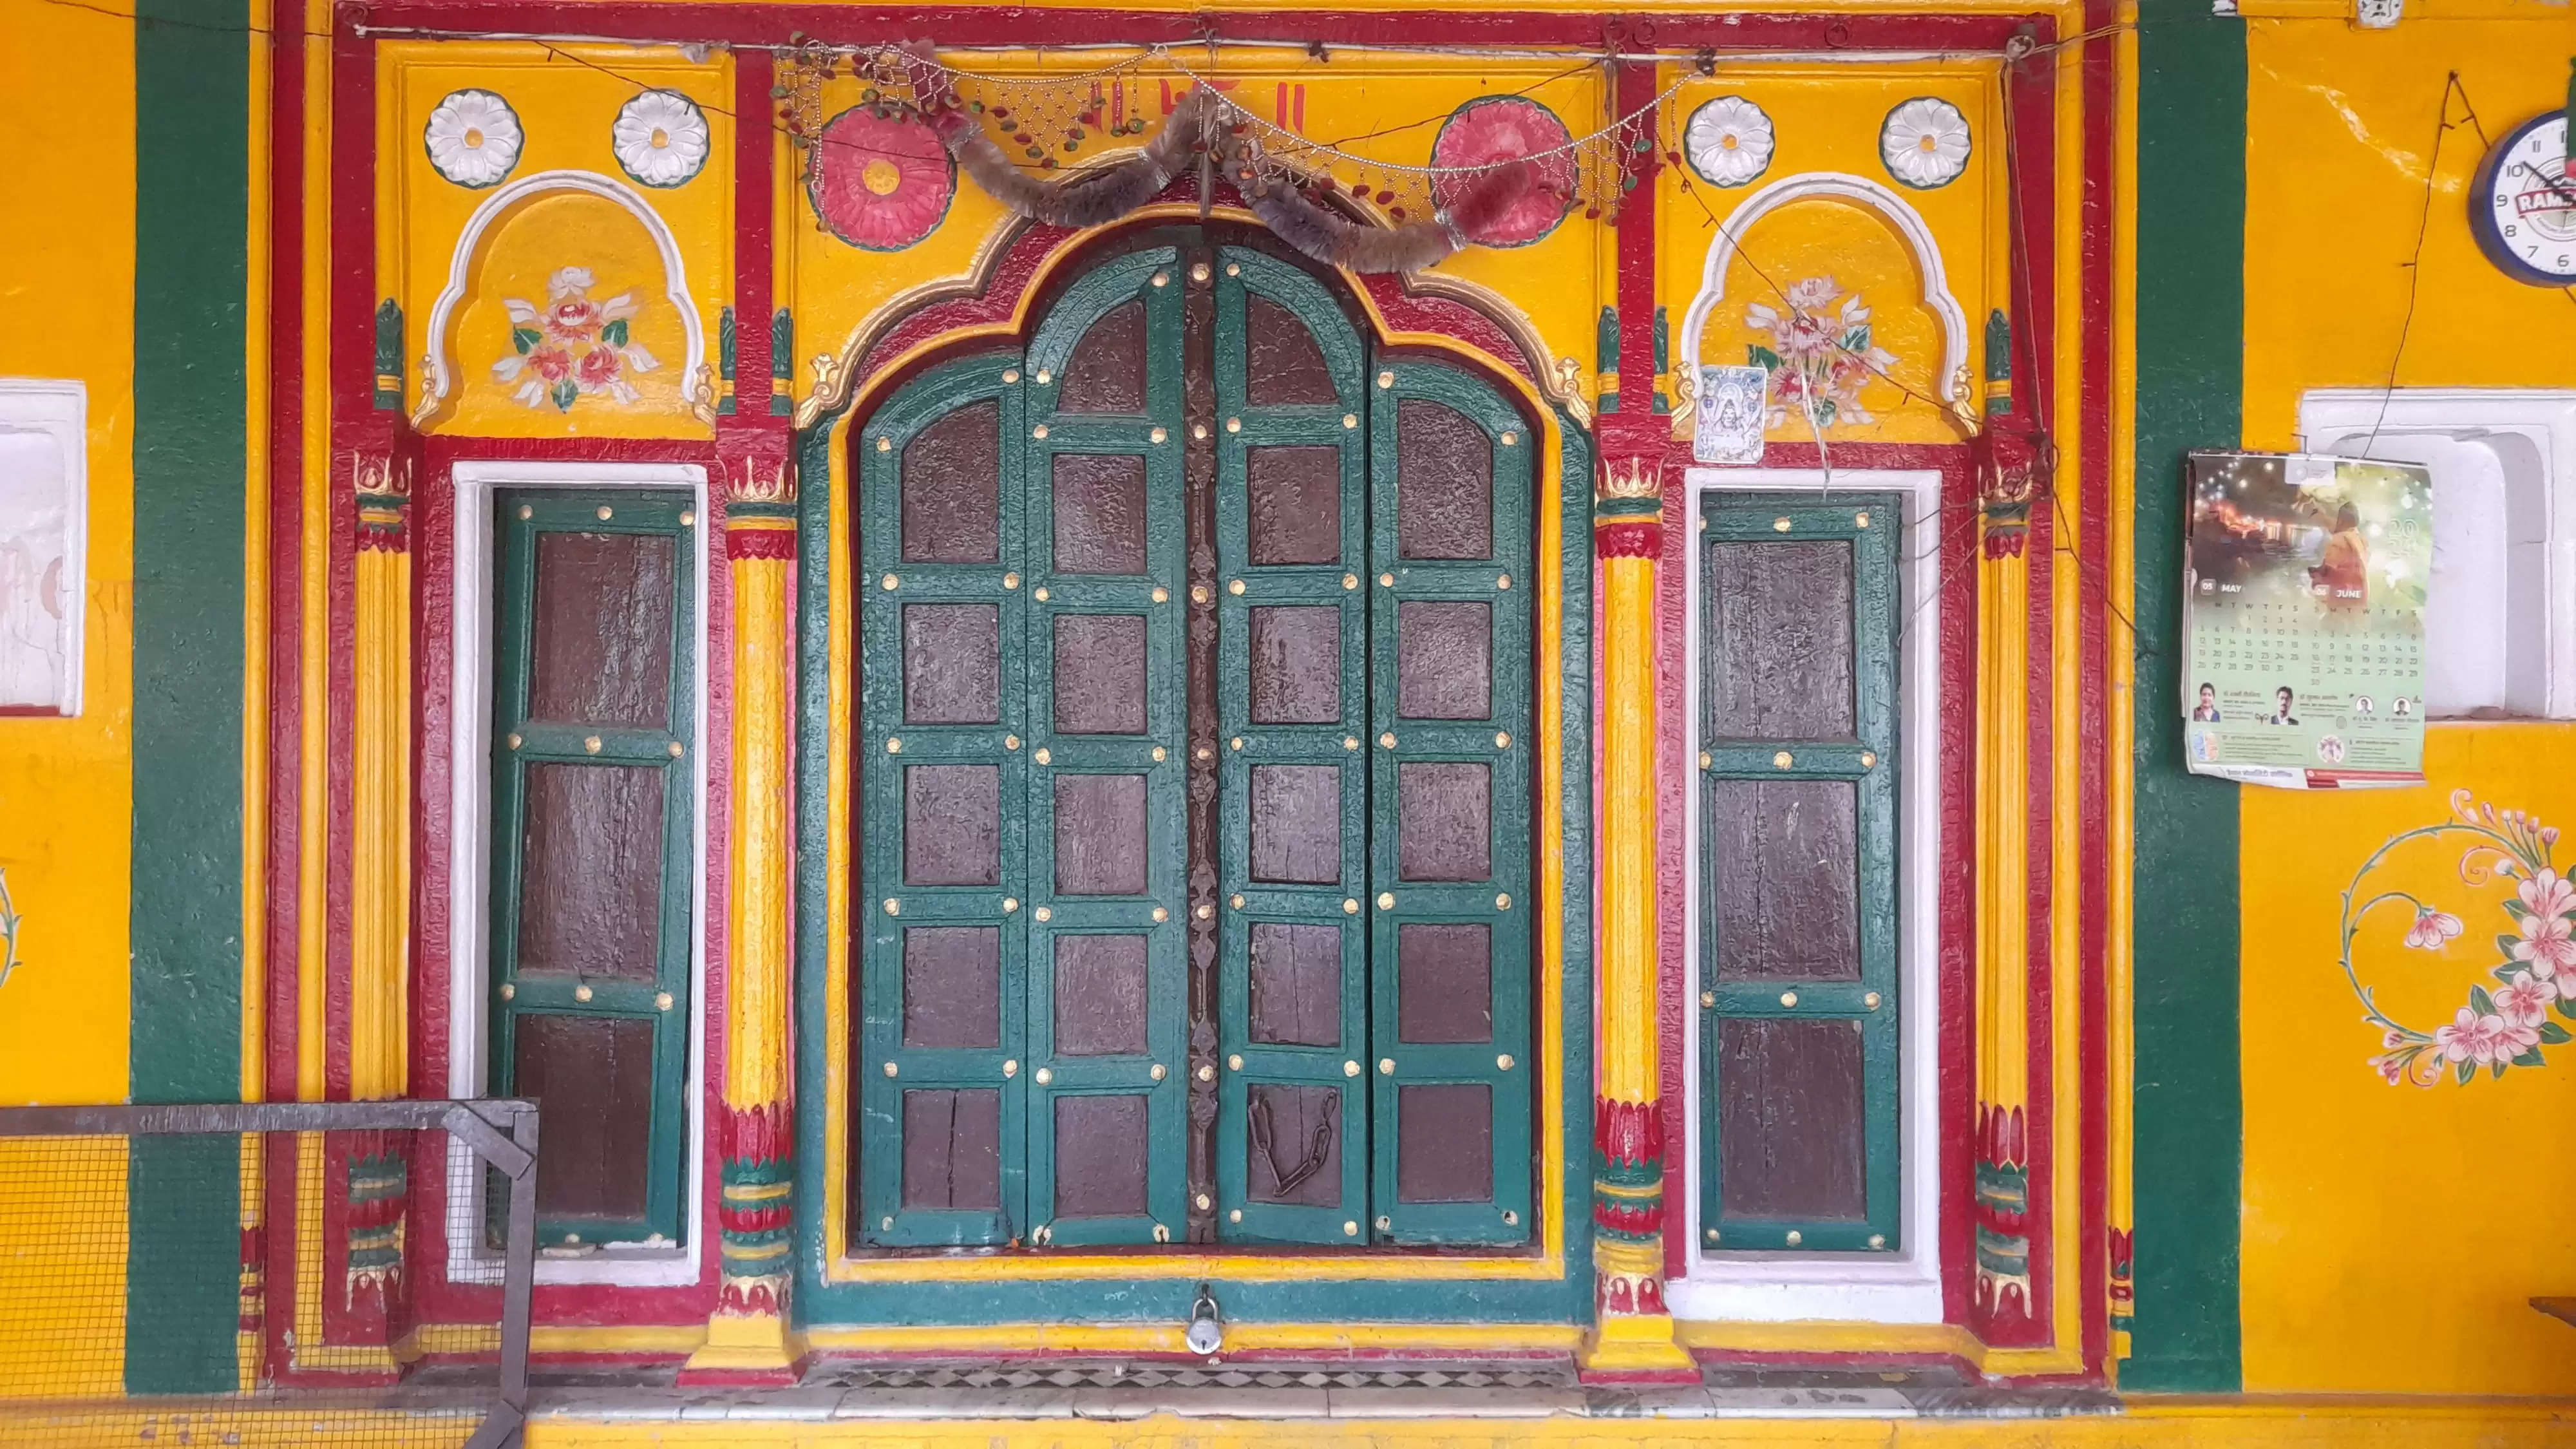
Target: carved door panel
{"x": 945, "y": 719}
{"x": 1449, "y": 846}
{"x": 1108, "y": 1057}
{"x": 1292, "y": 541}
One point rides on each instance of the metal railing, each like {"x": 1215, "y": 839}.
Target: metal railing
{"x": 500, "y": 1134}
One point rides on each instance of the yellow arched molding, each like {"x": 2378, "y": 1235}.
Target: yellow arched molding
{"x": 1858, "y": 191}
{"x": 436, "y": 382}
{"x": 839, "y": 389}
{"x": 851, "y": 397}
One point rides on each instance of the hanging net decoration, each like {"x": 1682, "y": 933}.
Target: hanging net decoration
{"x": 1504, "y": 170}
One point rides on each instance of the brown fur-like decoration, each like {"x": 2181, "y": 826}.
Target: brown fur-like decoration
{"x": 1195, "y": 133}
{"x": 1082, "y": 200}
{"x": 1338, "y": 241}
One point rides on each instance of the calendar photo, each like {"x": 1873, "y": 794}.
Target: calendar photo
{"x": 2303, "y": 653}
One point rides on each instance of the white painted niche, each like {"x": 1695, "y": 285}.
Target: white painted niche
{"x": 44, "y": 543}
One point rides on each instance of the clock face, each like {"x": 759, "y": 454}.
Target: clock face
{"x": 2523, "y": 208}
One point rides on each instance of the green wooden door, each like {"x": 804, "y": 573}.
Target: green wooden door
{"x": 593, "y": 828}
{"x": 1798, "y": 1045}
{"x": 1032, "y": 1016}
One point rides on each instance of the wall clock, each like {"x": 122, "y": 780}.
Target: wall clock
{"x": 2523, "y": 207}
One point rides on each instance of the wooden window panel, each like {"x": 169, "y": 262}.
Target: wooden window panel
{"x": 1296, "y": 664}
{"x": 1286, "y": 366}
{"x": 603, "y": 614}
{"x": 952, "y": 487}
{"x": 1297, "y": 835}
{"x": 1100, "y": 995}
{"x": 952, "y": 825}
{"x": 1099, "y": 512}
{"x": 593, "y": 803}
{"x": 1444, "y": 982}
{"x": 1444, "y": 660}
{"x": 1792, "y": 1128}
{"x": 590, "y": 903}
{"x": 952, "y": 664}
{"x": 1295, "y": 1145}
{"x": 952, "y": 987}
{"x": 1107, "y": 371}
{"x": 1293, "y": 501}
{"x": 1295, "y": 985}
{"x": 1445, "y": 508}
{"x": 1784, "y": 859}
{"x": 1778, "y": 660}
{"x": 1100, "y": 679}
{"x": 592, "y": 1076}
{"x": 952, "y": 1151}
{"x": 1799, "y": 1113}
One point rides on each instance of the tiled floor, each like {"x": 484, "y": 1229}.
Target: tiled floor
{"x": 1131, "y": 1389}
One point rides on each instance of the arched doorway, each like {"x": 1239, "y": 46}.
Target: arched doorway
{"x": 1195, "y": 794}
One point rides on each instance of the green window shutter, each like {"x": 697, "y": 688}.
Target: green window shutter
{"x": 593, "y": 853}
{"x": 1449, "y": 793}
{"x": 1108, "y": 851}
{"x": 944, "y": 718}
{"x": 1292, "y": 691}
{"x": 1799, "y": 1105}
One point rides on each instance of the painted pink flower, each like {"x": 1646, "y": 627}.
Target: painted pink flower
{"x": 598, "y": 368}
{"x": 551, "y": 363}
{"x": 2524, "y": 1001}
{"x": 2545, "y": 893}
{"x": 2474, "y": 1038}
{"x": 2392, "y": 1067}
{"x": 2546, "y": 943}
{"x": 2432, "y": 928}
{"x": 572, "y": 318}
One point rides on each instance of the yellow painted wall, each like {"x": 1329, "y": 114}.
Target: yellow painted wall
{"x": 2392, "y": 1233}
{"x": 67, "y": 311}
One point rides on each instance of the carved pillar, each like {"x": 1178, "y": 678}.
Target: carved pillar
{"x": 1633, "y": 1335}
{"x": 2012, "y": 459}
{"x": 748, "y": 1338}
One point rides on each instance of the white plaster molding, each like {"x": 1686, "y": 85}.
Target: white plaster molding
{"x": 1903, "y": 1286}
{"x": 469, "y": 927}
{"x": 1859, "y": 191}
{"x": 436, "y": 381}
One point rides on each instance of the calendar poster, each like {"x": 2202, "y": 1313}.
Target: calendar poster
{"x": 2304, "y": 626}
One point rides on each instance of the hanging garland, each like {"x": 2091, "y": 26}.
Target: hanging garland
{"x": 1504, "y": 169}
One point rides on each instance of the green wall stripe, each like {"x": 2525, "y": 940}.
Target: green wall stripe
{"x": 192, "y": 98}
{"x": 2190, "y": 340}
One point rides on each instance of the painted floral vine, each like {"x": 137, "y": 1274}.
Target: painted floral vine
{"x": 2504, "y": 1026}
{"x": 9, "y": 919}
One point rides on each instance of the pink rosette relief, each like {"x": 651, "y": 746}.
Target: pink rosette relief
{"x": 1495, "y": 129}
{"x": 880, "y": 181}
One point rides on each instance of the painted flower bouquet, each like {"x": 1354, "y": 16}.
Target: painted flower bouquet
{"x": 574, "y": 347}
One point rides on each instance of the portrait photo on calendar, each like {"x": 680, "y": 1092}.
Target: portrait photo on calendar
{"x": 2305, "y": 579}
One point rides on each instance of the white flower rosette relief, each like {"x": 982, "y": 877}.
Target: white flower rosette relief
{"x": 573, "y": 347}
{"x": 1728, "y": 141}
{"x": 660, "y": 138}
{"x": 473, "y": 138}
{"x": 1925, "y": 143}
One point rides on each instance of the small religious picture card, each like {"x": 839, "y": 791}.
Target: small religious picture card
{"x": 43, "y": 543}
{"x": 1728, "y": 428}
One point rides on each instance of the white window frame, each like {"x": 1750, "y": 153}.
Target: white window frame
{"x": 470, "y": 868}
{"x": 1904, "y": 1286}
{"x": 59, "y": 408}
{"x": 2546, "y": 417}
